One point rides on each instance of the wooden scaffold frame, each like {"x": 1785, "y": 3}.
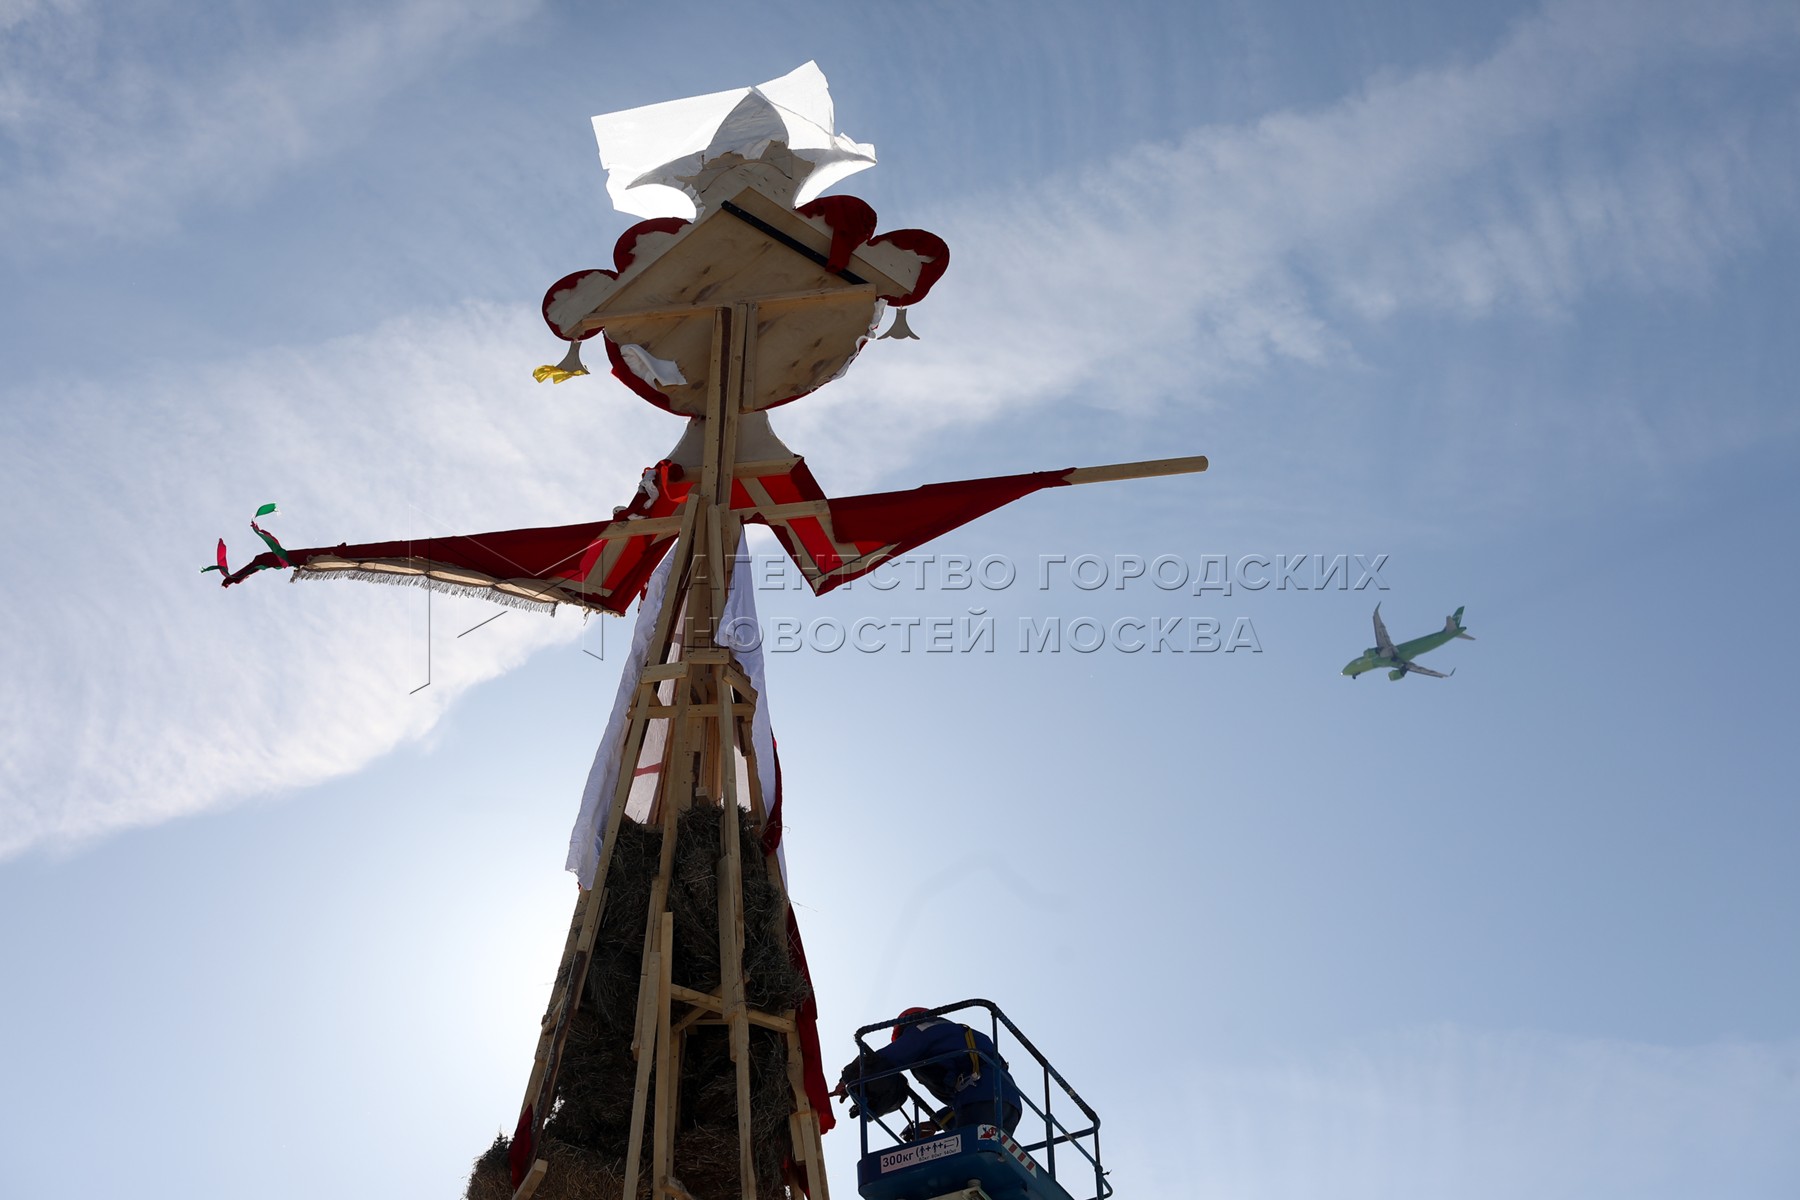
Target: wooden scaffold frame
{"x": 709, "y": 704}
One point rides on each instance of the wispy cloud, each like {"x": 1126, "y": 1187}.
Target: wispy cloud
{"x": 1587, "y": 157}
{"x": 1477, "y": 1116}
{"x": 136, "y": 690}
{"x": 117, "y": 122}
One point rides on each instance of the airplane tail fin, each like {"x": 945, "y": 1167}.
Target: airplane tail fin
{"x": 1453, "y": 624}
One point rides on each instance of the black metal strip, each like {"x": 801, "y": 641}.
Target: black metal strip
{"x": 798, "y": 247}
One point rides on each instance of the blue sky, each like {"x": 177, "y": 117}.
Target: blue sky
{"x": 1504, "y": 293}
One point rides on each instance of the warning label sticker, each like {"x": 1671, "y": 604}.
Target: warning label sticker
{"x": 907, "y": 1156}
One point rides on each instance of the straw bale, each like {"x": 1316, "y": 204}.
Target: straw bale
{"x": 585, "y": 1137}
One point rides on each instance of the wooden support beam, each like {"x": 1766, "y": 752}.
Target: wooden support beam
{"x": 663, "y": 1131}
{"x": 641, "y": 526}
{"x": 844, "y": 292}
{"x": 697, "y": 998}
{"x": 706, "y": 1002}
{"x": 533, "y": 1177}
{"x": 731, "y": 944}
{"x": 738, "y": 680}
{"x": 649, "y": 999}
{"x": 764, "y": 466}
{"x": 787, "y": 512}
{"x": 724, "y": 340}
{"x": 678, "y": 580}
{"x": 717, "y": 563}
{"x": 668, "y": 712}
{"x": 677, "y": 1043}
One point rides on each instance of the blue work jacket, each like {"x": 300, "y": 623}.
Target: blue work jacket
{"x": 951, "y": 1078}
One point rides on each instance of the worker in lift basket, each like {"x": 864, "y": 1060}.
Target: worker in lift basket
{"x": 958, "y": 1065}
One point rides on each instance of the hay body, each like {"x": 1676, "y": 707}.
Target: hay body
{"x": 585, "y": 1137}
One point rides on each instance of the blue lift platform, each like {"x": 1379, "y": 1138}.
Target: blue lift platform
{"x": 906, "y": 1157}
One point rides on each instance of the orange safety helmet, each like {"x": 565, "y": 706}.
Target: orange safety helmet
{"x": 894, "y": 1036}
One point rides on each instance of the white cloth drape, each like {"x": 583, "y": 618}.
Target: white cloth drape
{"x": 648, "y": 151}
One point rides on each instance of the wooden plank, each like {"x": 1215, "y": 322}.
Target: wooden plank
{"x": 533, "y": 1177}
{"x": 639, "y": 527}
{"x": 769, "y": 1020}
{"x": 758, "y": 813}
{"x": 704, "y": 1003}
{"x": 667, "y": 712}
{"x": 787, "y": 512}
{"x": 716, "y": 568}
{"x": 677, "y": 778}
{"x": 739, "y": 382}
{"x": 765, "y": 466}
{"x": 731, "y": 943}
{"x": 1148, "y": 469}
{"x": 819, "y": 1187}
{"x": 643, "y": 1044}
{"x": 738, "y": 385}
{"x": 802, "y": 349}
{"x": 722, "y": 350}
{"x": 711, "y": 775}
{"x": 797, "y": 1138}
{"x": 829, "y": 292}
{"x": 741, "y": 683}
{"x": 741, "y": 387}
{"x": 698, "y": 999}
{"x": 660, "y": 526}
{"x": 807, "y": 1147}
{"x": 819, "y": 240}
{"x": 678, "y": 576}
{"x": 663, "y": 1130}
{"x": 678, "y": 1043}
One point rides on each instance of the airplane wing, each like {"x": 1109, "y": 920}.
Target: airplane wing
{"x": 1383, "y": 642}
{"x": 1415, "y": 668}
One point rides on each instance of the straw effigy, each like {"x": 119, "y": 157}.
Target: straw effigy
{"x": 585, "y": 1136}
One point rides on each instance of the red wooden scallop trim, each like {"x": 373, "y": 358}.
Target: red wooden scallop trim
{"x": 931, "y": 248}
{"x": 563, "y": 285}
{"x": 624, "y": 250}
{"x": 851, "y": 221}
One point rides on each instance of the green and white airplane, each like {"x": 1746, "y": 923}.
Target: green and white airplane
{"x": 1399, "y": 659}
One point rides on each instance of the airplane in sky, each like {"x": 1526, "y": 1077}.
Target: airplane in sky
{"x": 1399, "y": 659}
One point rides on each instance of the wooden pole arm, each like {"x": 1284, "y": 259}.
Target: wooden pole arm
{"x": 1138, "y": 470}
